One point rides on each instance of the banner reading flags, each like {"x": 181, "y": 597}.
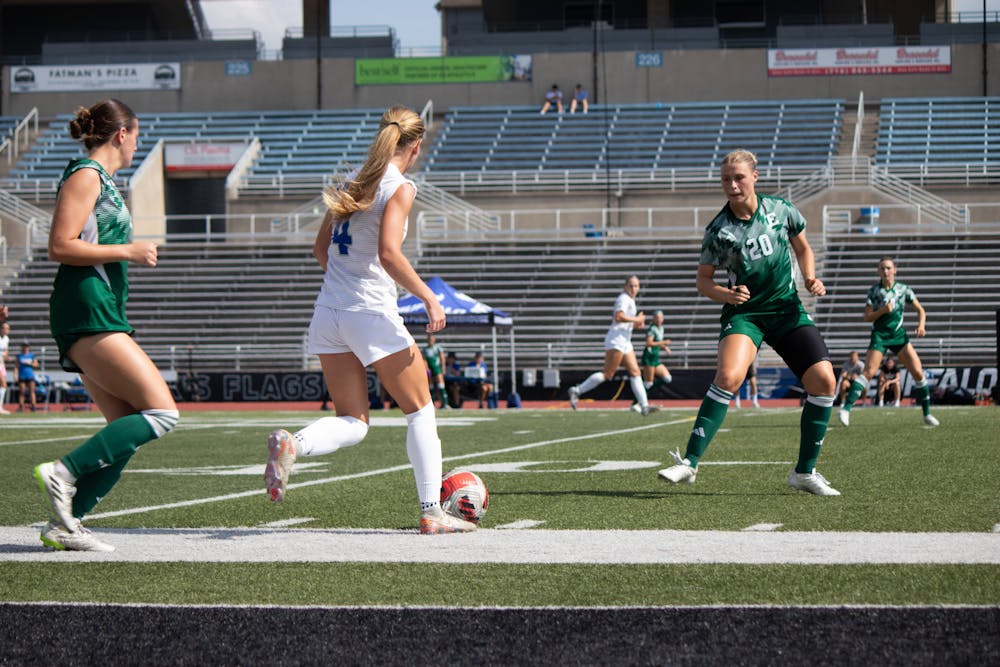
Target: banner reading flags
{"x": 859, "y": 60}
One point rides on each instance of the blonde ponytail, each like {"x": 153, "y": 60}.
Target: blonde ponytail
{"x": 399, "y": 128}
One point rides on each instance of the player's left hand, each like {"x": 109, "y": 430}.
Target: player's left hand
{"x": 921, "y": 332}
{"x": 815, "y": 287}
{"x": 435, "y": 316}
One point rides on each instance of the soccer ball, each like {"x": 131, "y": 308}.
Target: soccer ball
{"x": 464, "y": 495}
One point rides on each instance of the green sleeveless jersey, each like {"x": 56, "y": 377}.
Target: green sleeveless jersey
{"x": 756, "y": 253}
{"x": 651, "y": 355}
{"x": 899, "y": 294}
{"x": 432, "y": 355}
{"x": 91, "y": 299}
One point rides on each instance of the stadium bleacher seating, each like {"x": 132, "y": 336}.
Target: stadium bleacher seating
{"x": 293, "y": 142}
{"x": 641, "y": 136}
{"x": 939, "y": 130}
{"x": 947, "y": 271}
{"x": 7, "y": 124}
{"x": 213, "y": 297}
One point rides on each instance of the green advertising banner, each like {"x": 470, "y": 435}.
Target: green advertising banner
{"x": 447, "y": 69}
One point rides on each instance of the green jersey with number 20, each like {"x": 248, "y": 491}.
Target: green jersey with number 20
{"x": 755, "y": 252}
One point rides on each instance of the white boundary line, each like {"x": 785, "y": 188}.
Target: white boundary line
{"x": 432, "y": 607}
{"x": 382, "y": 471}
{"x": 531, "y": 546}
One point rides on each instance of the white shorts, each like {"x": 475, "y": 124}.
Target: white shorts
{"x": 369, "y": 336}
{"x": 617, "y": 341}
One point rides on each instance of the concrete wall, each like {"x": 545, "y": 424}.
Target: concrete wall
{"x": 688, "y": 75}
{"x": 146, "y": 199}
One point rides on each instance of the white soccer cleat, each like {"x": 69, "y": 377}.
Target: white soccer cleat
{"x": 682, "y": 472}
{"x": 811, "y": 482}
{"x": 59, "y": 492}
{"x": 635, "y": 407}
{"x": 280, "y": 459}
{"x": 574, "y": 397}
{"x": 436, "y": 521}
{"x": 56, "y": 536}
{"x": 931, "y": 420}
{"x": 845, "y": 417}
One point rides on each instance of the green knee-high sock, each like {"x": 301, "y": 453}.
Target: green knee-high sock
{"x": 116, "y": 441}
{"x": 90, "y": 489}
{"x": 923, "y": 395}
{"x": 812, "y": 425}
{"x": 710, "y": 417}
{"x": 661, "y": 382}
{"x": 859, "y": 385}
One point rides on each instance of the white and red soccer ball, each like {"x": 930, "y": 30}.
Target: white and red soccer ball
{"x": 464, "y": 495}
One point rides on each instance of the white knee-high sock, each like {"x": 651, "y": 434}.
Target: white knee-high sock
{"x": 591, "y": 382}
{"x": 423, "y": 447}
{"x": 3, "y": 395}
{"x": 647, "y": 385}
{"x": 329, "y": 434}
{"x": 637, "y": 389}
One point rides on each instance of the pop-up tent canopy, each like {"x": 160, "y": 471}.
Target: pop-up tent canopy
{"x": 461, "y": 310}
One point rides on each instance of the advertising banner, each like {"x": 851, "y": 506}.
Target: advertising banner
{"x": 202, "y": 155}
{"x": 859, "y": 61}
{"x": 447, "y": 69}
{"x": 126, "y": 76}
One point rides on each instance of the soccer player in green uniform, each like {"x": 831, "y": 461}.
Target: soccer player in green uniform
{"x": 654, "y": 373}
{"x": 750, "y": 239}
{"x": 434, "y": 356}
{"x": 884, "y": 309}
{"x": 91, "y": 239}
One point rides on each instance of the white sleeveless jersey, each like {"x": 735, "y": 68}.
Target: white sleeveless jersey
{"x": 625, "y": 304}
{"x": 355, "y": 279}
{"x": 4, "y": 346}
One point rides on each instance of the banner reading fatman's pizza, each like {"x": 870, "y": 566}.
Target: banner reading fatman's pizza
{"x": 859, "y": 61}
{"x": 124, "y": 76}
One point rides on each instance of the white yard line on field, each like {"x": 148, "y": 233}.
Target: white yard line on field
{"x": 526, "y": 546}
{"x": 371, "y": 473}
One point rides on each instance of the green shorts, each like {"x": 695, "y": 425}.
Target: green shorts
{"x": 651, "y": 356}
{"x": 769, "y": 327}
{"x": 434, "y": 368}
{"x": 895, "y": 341}
{"x": 65, "y": 341}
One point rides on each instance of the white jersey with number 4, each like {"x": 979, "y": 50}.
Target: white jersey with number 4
{"x": 355, "y": 279}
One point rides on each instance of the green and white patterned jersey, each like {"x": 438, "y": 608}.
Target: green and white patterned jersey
{"x": 755, "y": 252}
{"x": 652, "y": 353}
{"x": 432, "y": 355}
{"x": 91, "y": 299}
{"x": 899, "y": 294}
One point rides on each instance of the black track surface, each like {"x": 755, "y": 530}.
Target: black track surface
{"x": 125, "y": 635}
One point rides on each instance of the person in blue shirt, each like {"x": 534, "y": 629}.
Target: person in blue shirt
{"x": 26, "y": 365}
{"x": 476, "y": 370}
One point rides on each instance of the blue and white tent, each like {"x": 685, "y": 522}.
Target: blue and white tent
{"x": 461, "y": 310}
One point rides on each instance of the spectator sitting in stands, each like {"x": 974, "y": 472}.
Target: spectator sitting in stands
{"x": 453, "y": 380}
{"x": 477, "y": 371}
{"x": 888, "y": 379}
{"x": 553, "y": 98}
{"x": 580, "y": 97}
{"x": 851, "y": 369}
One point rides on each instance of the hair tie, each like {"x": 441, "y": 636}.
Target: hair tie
{"x": 392, "y": 122}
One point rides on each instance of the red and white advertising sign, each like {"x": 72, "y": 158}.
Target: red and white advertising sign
{"x": 202, "y": 156}
{"x": 859, "y": 60}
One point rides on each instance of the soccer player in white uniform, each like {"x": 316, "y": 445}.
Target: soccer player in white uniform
{"x": 618, "y": 350}
{"x": 4, "y": 358}
{"x": 356, "y": 322}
